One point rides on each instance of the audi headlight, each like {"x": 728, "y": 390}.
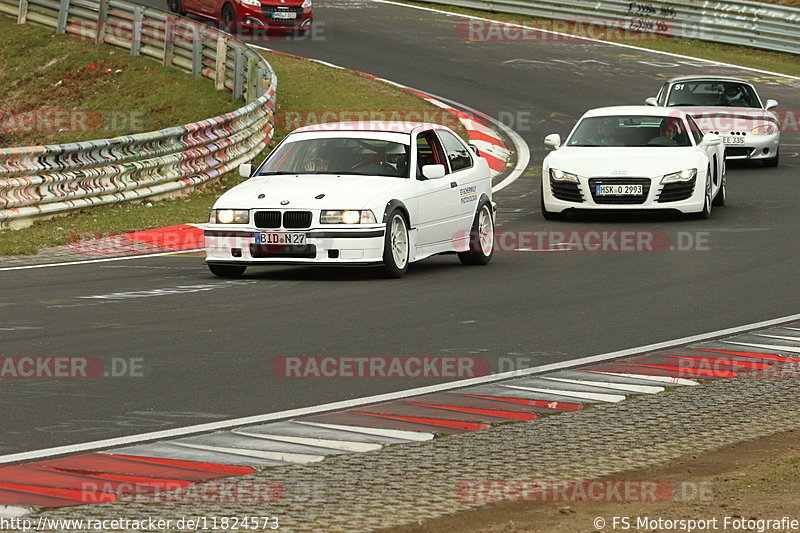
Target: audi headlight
{"x": 766, "y": 129}
{"x": 306, "y": 4}
{"x": 254, "y": 3}
{"x": 349, "y": 216}
{"x": 560, "y": 175}
{"x": 229, "y": 216}
{"x": 680, "y": 177}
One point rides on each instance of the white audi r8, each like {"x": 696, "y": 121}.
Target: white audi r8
{"x": 730, "y": 108}
{"x": 367, "y": 193}
{"x": 634, "y": 157}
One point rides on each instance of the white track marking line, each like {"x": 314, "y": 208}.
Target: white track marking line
{"x": 358, "y": 402}
{"x": 341, "y": 445}
{"x": 780, "y": 337}
{"x": 103, "y": 260}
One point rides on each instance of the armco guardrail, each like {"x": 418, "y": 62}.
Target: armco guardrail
{"x": 754, "y": 24}
{"x": 43, "y": 181}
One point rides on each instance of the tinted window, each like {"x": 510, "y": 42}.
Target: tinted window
{"x": 457, "y": 154}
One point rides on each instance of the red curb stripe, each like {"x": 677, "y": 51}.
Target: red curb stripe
{"x": 494, "y": 162}
{"x": 78, "y": 496}
{"x": 698, "y": 371}
{"x": 468, "y": 426}
{"x": 232, "y": 470}
{"x": 475, "y": 135}
{"x": 726, "y": 362}
{"x": 128, "y": 483}
{"x": 97, "y": 463}
{"x": 560, "y": 406}
{"x": 10, "y": 497}
{"x": 767, "y": 356}
{"x": 513, "y": 415}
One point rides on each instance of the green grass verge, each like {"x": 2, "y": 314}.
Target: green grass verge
{"x": 736, "y": 55}
{"x": 331, "y": 92}
{"x": 55, "y": 82}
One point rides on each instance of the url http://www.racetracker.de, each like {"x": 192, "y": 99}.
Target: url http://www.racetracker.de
{"x": 192, "y": 523}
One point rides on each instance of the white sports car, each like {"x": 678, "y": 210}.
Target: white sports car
{"x": 356, "y": 194}
{"x": 731, "y": 108}
{"x": 634, "y": 157}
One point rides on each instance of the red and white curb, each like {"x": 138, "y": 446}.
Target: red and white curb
{"x": 472, "y": 405}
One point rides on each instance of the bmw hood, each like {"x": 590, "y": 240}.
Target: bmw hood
{"x": 604, "y": 162}
{"x": 308, "y": 191}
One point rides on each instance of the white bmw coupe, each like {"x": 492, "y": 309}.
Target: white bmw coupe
{"x": 369, "y": 193}
{"x": 632, "y": 158}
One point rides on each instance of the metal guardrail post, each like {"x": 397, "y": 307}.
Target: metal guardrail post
{"x": 22, "y": 17}
{"x": 197, "y": 53}
{"x": 138, "y": 17}
{"x": 63, "y": 12}
{"x": 238, "y": 73}
{"x": 222, "y": 57}
{"x": 169, "y": 41}
{"x": 102, "y": 17}
{"x": 252, "y": 79}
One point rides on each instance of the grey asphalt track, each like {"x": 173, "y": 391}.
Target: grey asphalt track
{"x": 203, "y": 349}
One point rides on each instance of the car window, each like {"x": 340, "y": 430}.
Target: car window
{"x": 627, "y": 131}
{"x": 429, "y": 151}
{"x": 346, "y": 155}
{"x": 697, "y": 134}
{"x": 457, "y": 154}
{"x": 712, "y": 93}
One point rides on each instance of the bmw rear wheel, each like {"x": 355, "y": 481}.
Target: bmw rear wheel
{"x": 396, "y": 246}
{"x": 481, "y": 238}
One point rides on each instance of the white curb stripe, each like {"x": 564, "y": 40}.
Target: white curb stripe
{"x": 661, "y": 379}
{"x": 612, "y": 398}
{"x": 342, "y": 445}
{"x": 781, "y": 337}
{"x": 644, "y": 389}
{"x": 286, "y": 457}
{"x": 777, "y": 347}
{"x": 415, "y": 436}
{"x": 13, "y": 511}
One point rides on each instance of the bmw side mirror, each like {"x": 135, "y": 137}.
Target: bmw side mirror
{"x": 553, "y": 140}
{"x": 475, "y": 149}
{"x": 651, "y": 101}
{"x": 433, "y": 172}
{"x": 245, "y": 170}
{"x": 770, "y": 104}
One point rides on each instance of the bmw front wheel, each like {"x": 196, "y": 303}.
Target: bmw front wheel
{"x": 396, "y": 246}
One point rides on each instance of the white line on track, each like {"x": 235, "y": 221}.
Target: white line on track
{"x": 357, "y": 402}
{"x": 103, "y": 260}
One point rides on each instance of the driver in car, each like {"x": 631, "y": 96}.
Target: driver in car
{"x": 733, "y": 95}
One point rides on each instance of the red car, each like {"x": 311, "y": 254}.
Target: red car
{"x": 292, "y": 15}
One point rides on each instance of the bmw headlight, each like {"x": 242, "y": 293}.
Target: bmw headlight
{"x": 229, "y": 216}
{"x": 254, "y": 3}
{"x": 306, "y": 4}
{"x": 766, "y": 129}
{"x": 680, "y": 177}
{"x": 349, "y": 216}
{"x": 560, "y": 175}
